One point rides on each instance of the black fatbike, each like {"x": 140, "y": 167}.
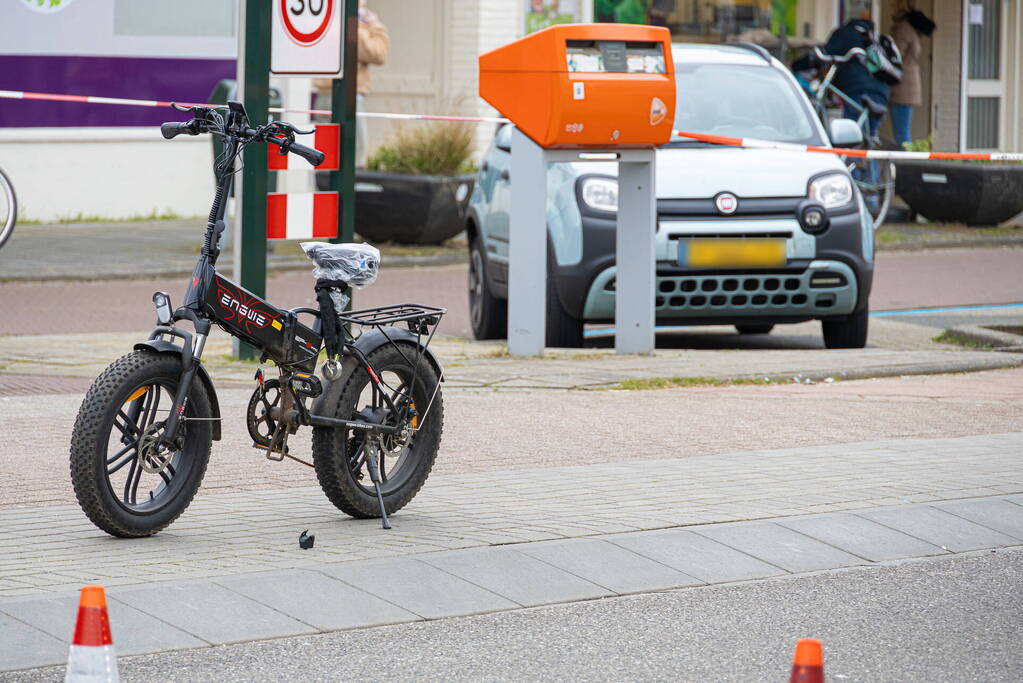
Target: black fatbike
{"x": 142, "y": 438}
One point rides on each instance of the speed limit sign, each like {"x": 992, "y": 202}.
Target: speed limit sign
{"x": 306, "y": 37}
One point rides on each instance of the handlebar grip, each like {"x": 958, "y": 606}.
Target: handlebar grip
{"x": 313, "y": 156}
{"x": 172, "y": 129}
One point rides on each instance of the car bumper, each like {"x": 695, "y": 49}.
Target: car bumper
{"x": 835, "y": 282}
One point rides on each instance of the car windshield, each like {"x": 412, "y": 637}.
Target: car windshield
{"x": 742, "y": 101}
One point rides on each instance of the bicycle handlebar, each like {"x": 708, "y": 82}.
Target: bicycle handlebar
{"x": 279, "y": 133}
{"x": 314, "y": 156}
{"x": 840, "y": 59}
{"x": 172, "y": 129}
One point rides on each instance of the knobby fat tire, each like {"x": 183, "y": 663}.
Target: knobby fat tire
{"x": 330, "y": 454}
{"x": 90, "y": 438}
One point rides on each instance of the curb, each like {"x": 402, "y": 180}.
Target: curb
{"x": 273, "y": 267}
{"x": 973, "y": 243}
{"x": 977, "y": 334}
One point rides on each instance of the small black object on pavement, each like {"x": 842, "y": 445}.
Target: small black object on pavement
{"x": 305, "y": 541}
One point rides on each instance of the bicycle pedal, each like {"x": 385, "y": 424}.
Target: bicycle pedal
{"x": 274, "y": 454}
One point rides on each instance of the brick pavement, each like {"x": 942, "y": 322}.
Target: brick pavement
{"x": 55, "y": 548}
{"x": 483, "y": 430}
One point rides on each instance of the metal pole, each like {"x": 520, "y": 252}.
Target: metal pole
{"x": 254, "y": 92}
{"x": 343, "y": 104}
{"x": 635, "y": 255}
{"x": 527, "y": 248}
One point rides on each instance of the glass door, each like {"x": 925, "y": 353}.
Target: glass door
{"x": 983, "y": 116}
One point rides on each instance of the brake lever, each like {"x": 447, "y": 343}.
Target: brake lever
{"x": 292, "y": 128}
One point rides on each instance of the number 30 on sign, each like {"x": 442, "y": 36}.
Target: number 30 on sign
{"x": 306, "y": 37}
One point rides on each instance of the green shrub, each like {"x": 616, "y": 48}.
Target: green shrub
{"x": 919, "y": 145}
{"x": 441, "y": 148}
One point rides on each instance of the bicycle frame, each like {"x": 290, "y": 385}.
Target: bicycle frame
{"x": 277, "y": 334}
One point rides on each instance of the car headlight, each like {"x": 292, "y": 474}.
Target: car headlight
{"x": 832, "y": 190}
{"x": 600, "y": 194}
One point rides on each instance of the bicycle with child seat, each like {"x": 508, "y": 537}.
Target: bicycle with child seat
{"x": 142, "y": 439}
{"x": 8, "y": 207}
{"x": 875, "y": 179}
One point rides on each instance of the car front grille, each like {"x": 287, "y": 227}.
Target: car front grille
{"x": 812, "y": 290}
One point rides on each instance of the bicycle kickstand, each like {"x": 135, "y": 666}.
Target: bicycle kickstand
{"x": 373, "y": 463}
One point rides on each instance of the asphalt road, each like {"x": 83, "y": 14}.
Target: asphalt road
{"x": 939, "y": 619}
{"x": 903, "y": 280}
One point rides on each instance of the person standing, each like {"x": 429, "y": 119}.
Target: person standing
{"x": 906, "y": 32}
{"x": 374, "y": 46}
{"x": 852, "y": 77}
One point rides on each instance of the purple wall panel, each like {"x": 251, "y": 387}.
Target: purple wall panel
{"x": 186, "y": 80}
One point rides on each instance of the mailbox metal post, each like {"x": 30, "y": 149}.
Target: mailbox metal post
{"x": 527, "y": 248}
{"x": 635, "y": 253}
{"x": 635, "y": 236}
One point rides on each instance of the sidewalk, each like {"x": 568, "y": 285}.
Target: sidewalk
{"x": 131, "y": 249}
{"x": 195, "y": 585}
{"x": 896, "y": 348}
{"x": 114, "y": 250}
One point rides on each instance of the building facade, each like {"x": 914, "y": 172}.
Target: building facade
{"x": 109, "y": 161}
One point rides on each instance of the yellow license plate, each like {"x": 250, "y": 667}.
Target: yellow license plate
{"x": 740, "y": 252}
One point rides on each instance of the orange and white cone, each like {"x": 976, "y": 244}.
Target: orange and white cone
{"x": 92, "y": 658}
{"x": 808, "y": 664}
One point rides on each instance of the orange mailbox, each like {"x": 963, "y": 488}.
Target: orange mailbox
{"x": 585, "y": 85}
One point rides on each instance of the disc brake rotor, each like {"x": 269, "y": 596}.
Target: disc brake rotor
{"x": 154, "y": 458}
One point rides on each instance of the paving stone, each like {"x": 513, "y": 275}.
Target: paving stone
{"x": 702, "y": 558}
{"x": 608, "y": 565}
{"x": 211, "y": 612}
{"x": 940, "y": 528}
{"x": 22, "y": 646}
{"x": 133, "y": 631}
{"x": 516, "y": 576}
{"x": 318, "y": 600}
{"x": 418, "y": 587}
{"x": 862, "y": 537}
{"x": 779, "y": 546}
{"x": 997, "y": 514}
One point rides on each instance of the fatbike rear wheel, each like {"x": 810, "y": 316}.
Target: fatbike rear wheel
{"x": 406, "y": 458}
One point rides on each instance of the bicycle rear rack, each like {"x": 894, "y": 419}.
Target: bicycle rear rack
{"x": 416, "y": 315}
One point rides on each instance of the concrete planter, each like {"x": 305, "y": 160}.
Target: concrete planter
{"x": 959, "y": 192}
{"x": 408, "y": 208}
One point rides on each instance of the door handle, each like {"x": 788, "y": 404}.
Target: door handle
{"x": 505, "y": 175}
{"x": 485, "y": 166}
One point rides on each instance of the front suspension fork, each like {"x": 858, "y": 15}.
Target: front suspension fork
{"x": 177, "y": 413}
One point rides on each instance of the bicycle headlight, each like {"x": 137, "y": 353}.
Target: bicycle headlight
{"x": 600, "y": 194}
{"x": 832, "y": 190}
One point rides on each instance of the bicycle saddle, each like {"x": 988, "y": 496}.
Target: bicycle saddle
{"x": 872, "y": 106}
{"x": 356, "y": 264}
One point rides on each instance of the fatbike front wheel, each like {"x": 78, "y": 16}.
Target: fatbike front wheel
{"x": 127, "y": 484}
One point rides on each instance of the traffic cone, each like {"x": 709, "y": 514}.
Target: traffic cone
{"x": 92, "y": 658}
{"x": 808, "y": 664}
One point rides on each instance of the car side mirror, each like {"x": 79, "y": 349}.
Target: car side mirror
{"x": 845, "y": 133}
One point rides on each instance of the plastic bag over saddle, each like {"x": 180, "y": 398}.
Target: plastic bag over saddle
{"x": 356, "y": 264}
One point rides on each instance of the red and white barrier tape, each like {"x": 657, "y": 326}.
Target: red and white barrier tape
{"x": 859, "y": 153}
{"x": 88, "y": 99}
{"x": 703, "y": 137}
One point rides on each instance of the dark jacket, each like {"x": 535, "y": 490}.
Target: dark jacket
{"x": 852, "y": 77}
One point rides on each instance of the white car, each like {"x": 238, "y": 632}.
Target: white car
{"x": 746, "y": 237}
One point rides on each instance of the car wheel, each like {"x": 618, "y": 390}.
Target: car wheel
{"x": 488, "y": 315}
{"x": 848, "y": 333}
{"x": 563, "y": 330}
{"x": 754, "y": 329}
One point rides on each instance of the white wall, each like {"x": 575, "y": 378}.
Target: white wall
{"x": 108, "y": 172}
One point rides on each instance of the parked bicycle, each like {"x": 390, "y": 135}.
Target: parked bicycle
{"x": 875, "y": 179}
{"x": 8, "y": 207}
{"x": 142, "y": 439}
